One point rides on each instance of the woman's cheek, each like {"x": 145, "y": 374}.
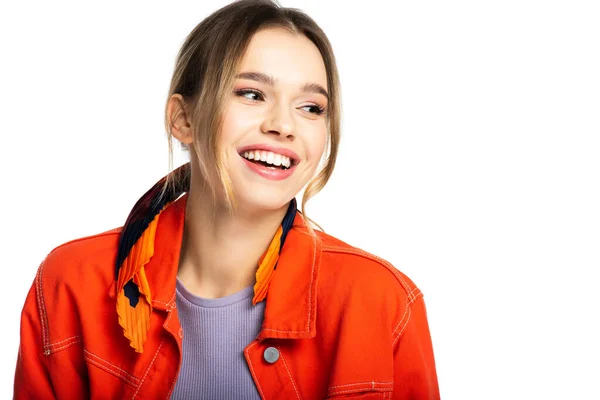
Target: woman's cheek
{"x": 236, "y": 121}
{"x": 320, "y": 144}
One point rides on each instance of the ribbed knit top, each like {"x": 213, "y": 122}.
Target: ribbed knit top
{"x": 215, "y": 333}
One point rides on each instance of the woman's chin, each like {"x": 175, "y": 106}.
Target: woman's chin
{"x": 257, "y": 202}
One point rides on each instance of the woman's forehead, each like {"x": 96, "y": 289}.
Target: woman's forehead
{"x": 289, "y": 58}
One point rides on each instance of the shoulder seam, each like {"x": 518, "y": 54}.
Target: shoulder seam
{"x": 411, "y": 292}
{"x": 106, "y": 233}
{"x": 42, "y": 309}
{"x": 47, "y": 346}
{"x": 405, "y": 318}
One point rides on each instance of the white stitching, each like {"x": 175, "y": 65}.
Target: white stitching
{"x": 380, "y": 386}
{"x": 280, "y": 330}
{"x": 417, "y": 297}
{"x": 169, "y": 305}
{"x": 312, "y": 277}
{"x": 412, "y": 295}
{"x": 148, "y": 369}
{"x": 103, "y": 367}
{"x": 247, "y": 351}
{"x": 362, "y": 383}
{"x": 407, "y": 318}
{"x": 409, "y": 302}
{"x": 373, "y": 257}
{"x": 402, "y": 330}
{"x": 385, "y": 390}
{"x": 57, "y": 349}
{"x": 62, "y": 341}
{"x": 289, "y": 374}
{"x": 120, "y": 370}
{"x": 128, "y": 378}
{"x": 53, "y": 348}
{"x": 283, "y": 331}
{"x": 42, "y": 308}
{"x": 357, "y": 390}
{"x": 401, "y": 319}
{"x": 412, "y": 291}
{"x": 166, "y": 324}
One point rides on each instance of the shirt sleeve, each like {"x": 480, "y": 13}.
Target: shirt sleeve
{"x": 415, "y": 376}
{"x": 32, "y": 378}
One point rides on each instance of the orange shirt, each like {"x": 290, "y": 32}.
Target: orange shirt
{"x": 339, "y": 323}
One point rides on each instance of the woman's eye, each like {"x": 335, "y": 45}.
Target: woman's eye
{"x": 250, "y": 94}
{"x": 314, "y": 109}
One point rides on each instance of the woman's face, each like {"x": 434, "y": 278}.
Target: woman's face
{"x": 274, "y": 128}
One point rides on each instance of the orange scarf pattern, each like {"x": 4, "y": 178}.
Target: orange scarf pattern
{"x": 136, "y": 248}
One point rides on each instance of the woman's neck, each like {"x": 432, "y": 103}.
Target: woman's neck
{"x": 220, "y": 250}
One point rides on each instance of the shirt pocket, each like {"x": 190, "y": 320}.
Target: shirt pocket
{"x": 107, "y": 380}
{"x": 366, "y": 395}
{"x": 365, "y": 390}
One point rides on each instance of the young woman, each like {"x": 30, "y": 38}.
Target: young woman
{"x": 216, "y": 286}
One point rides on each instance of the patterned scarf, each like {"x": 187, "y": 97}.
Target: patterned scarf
{"x": 136, "y": 247}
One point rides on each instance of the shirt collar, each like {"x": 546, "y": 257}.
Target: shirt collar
{"x": 290, "y": 311}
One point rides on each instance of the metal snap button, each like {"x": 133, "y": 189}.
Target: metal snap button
{"x": 271, "y": 355}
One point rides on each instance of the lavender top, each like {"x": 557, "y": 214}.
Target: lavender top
{"x": 215, "y": 333}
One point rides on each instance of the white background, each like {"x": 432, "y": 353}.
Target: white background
{"x": 470, "y": 160}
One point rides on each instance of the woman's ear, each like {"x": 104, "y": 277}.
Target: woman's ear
{"x": 179, "y": 121}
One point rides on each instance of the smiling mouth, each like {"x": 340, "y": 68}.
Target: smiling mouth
{"x": 268, "y": 159}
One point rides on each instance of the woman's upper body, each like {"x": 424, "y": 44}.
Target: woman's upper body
{"x": 341, "y": 320}
{"x": 255, "y": 100}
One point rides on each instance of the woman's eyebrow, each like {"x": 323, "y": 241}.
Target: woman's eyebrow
{"x": 258, "y": 77}
{"x": 269, "y": 80}
{"x": 314, "y": 88}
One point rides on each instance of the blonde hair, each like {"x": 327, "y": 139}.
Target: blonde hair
{"x": 204, "y": 76}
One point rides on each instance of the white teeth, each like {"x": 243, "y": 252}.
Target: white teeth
{"x": 268, "y": 157}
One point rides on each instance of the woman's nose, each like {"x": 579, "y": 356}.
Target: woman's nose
{"x": 279, "y": 121}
